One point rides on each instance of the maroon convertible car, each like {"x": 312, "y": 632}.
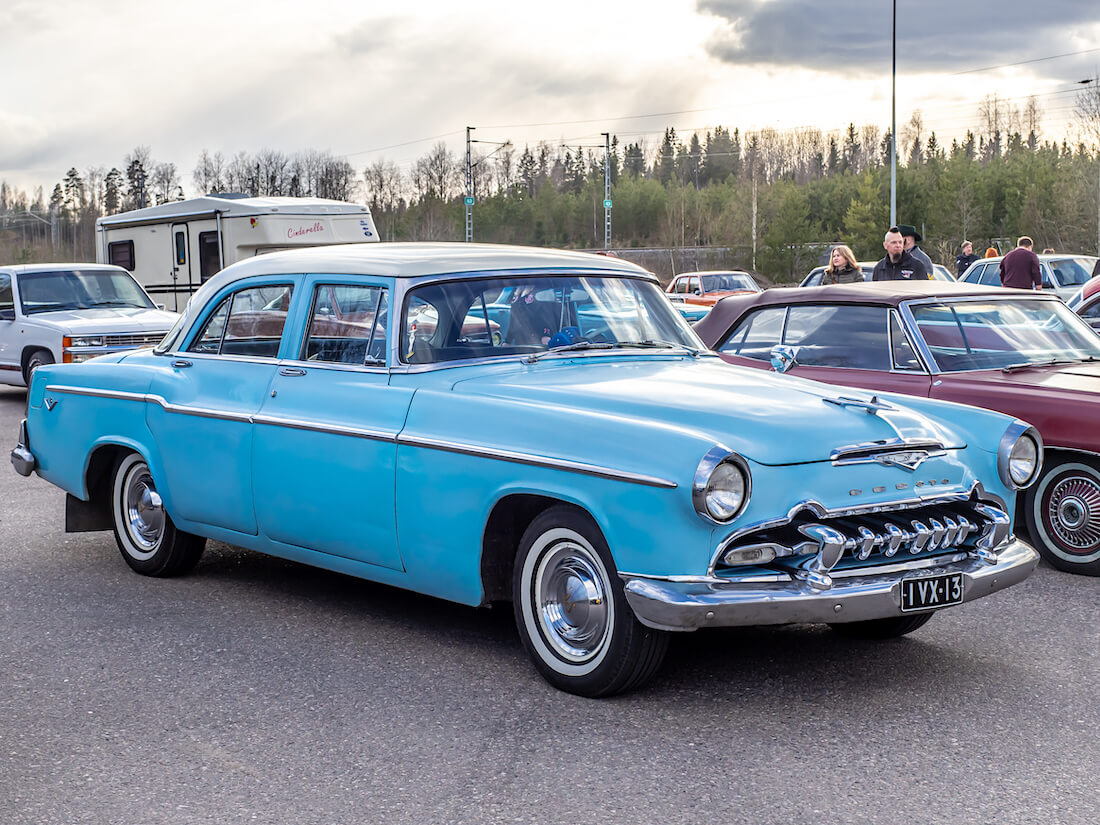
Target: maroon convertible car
{"x": 1018, "y": 352}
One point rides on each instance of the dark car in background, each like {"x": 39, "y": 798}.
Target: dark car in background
{"x": 1015, "y": 351}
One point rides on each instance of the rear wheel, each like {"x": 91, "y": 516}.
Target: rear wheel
{"x": 145, "y": 534}
{"x": 1063, "y": 515}
{"x": 882, "y": 628}
{"x": 571, "y": 609}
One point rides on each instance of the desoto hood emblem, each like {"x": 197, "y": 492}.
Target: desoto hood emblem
{"x": 909, "y": 459}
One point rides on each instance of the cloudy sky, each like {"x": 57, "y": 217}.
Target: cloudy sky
{"x": 84, "y": 83}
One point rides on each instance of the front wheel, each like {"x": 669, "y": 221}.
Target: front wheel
{"x": 146, "y": 536}
{"x": 1062, "y": 510}
{"x": 38, "y": 358}
{"x": 890, "y": 628}
{"x": 571, "y": 609}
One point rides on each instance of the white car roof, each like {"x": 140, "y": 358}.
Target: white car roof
{"x": 16, "y": 269}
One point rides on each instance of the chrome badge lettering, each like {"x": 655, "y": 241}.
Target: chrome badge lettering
{"x": 908, "y": 460}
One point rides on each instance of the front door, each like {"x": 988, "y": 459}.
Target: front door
{"x": 181, "y": 265}
{"x": 324, "y": 448}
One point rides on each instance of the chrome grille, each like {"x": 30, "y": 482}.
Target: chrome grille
{"x": 135, "y": 339}
{"x": 814, "y": 545}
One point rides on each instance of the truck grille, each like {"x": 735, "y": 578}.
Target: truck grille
{"x": 809, "y": 542}
{"x": 136, "y": 339}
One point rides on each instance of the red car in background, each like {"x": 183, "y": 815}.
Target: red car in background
{"x": 708, "y": 288}
{"x": 1015, "y": 351}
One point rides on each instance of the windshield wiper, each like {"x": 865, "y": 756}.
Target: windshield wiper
{"x": 579, "y": 345}
{"x": 117, "y": 304}
{"x": 650, "y": 344}
{"x": 1053, "y": 362}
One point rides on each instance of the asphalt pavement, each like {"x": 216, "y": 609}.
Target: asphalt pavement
{"x": 259, "y": 690}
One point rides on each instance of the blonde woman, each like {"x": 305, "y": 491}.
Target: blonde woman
{"x": 843, "y": 267}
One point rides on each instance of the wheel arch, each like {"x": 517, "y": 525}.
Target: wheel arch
{"x": 505, "y": 526}
{"x": 25, "y": 357}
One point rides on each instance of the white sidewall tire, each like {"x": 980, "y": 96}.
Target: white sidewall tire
{"x": 132, "y": 465}
{"x": 540, "y": 550}
{"x": 1051, "y": 544}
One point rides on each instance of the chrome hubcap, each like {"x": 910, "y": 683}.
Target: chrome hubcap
{"x": 572, "y": 603}
{"x": 144, "y": 509}
{"x": 1073, "y": 511}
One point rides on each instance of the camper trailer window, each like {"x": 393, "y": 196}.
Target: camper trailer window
{"x": 181, "y": 249}
{"x": 121, "y": 253}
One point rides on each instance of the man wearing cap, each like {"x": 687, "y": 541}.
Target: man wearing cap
{"x": 965, "y": 258}
{"x": 911, "y": 236}
{"x": 898, "y": 265}
{"x": 1020, "y": 267}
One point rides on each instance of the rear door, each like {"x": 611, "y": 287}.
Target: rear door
{"x": 9, "y": 343}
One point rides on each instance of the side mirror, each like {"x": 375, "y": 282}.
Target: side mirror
{"x": 159, "y": 306}
{"x": 7, "y": 314}
{"x": 783, "y": 357}
{"x": 696, "y": 291}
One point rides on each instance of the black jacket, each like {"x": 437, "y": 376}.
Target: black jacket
{"x": 907, "y": 268}
{"x": 848, "y": 275}
{"x": 963, "y": 262}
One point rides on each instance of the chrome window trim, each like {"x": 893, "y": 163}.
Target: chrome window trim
{"x": 920, "y": 370}
{"x": 480, "y": 451}
{"x": 474, "y": 450}
{"x": 822, "y": 512}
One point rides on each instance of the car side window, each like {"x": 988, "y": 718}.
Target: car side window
{"x": 757, "y": 333}
{"x": 248, "y": 322}
{"x": 989, "y": 275}
{"x": 693, "y": 286}
{"x": 1092, "y": 310}
{"x": 7, "y": 301}
{"x": 853, "y": 337}
{"x": 901, "y": 350}
{"x": 347, "y": 325}
{"x": 680, "y": 286}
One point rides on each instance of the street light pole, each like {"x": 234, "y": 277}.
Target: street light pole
{"x": 894, "y": 118}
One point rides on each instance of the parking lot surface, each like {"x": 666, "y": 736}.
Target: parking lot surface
{"x": 259, "y": 690}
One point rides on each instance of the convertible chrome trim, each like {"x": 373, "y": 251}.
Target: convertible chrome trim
{"x": 480, "y": 451}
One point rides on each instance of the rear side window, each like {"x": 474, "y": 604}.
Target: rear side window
{"x": 347, "y": 325}
{"x": 248, "y": 322}
{"x": 121, "y": 253}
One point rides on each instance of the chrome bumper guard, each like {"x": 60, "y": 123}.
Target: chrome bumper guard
{"x": 21, "y": 458}
{"x": 872, "y": 594}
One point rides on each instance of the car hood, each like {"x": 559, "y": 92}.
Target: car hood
{"x": 106, "y": 320}
{"x": 772, "y": 419}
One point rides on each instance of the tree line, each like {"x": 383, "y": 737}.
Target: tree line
{"x": 774, "y": 198}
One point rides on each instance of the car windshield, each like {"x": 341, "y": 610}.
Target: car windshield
{"x": 1072, "y": 271}
{"x": 727, "y": 282}
{"x": 525, "y": 316}
{"x": 975, "y": 335}
{"x": 79, "y": 289}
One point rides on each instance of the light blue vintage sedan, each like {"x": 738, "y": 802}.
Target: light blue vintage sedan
{"x": 490, "y": 424}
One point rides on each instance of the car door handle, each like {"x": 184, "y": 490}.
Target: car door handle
{"x": 181, "y": 363}
{"x": 291, "y": 371}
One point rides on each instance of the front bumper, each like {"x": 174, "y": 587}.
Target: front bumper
{"x": 689, "y": 605}
{"x": 21, "y": 458}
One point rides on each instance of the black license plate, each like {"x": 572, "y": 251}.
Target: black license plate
{"x": 926, "y": 592}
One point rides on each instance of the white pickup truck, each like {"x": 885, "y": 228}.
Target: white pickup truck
{"x": 70, "y": 313}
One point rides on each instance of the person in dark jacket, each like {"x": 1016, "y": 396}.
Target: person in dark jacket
{"x": 911, "y": 236}
{"x": 843, "y": 267}
{"x": 1020, "y": 267}
{"x": 965, "y": 258}
{"x": 898, "y": 265}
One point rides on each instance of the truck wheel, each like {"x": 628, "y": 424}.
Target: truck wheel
{"x": 37, "y": 359}
{"x": 145, "y": 534}
{"x": 890, "y": 628}
{"x": 1062, "y": 510}
{"x": 571, "y": 610}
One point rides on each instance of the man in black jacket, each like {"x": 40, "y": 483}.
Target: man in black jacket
{"x": 898, "y": 265}
{"x": 965, "y": 258}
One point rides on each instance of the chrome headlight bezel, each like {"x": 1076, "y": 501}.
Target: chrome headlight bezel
{"x": 703, "y": 489}
{"x": 1017, "y": 437}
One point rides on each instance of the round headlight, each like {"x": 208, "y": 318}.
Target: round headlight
{"x": 1023, "y": 460}
{"x": 722, "y": 485}
{"x": 1020, "y": 456}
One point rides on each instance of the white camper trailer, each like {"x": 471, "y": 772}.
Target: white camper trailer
{"x": 175, "y": 247}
